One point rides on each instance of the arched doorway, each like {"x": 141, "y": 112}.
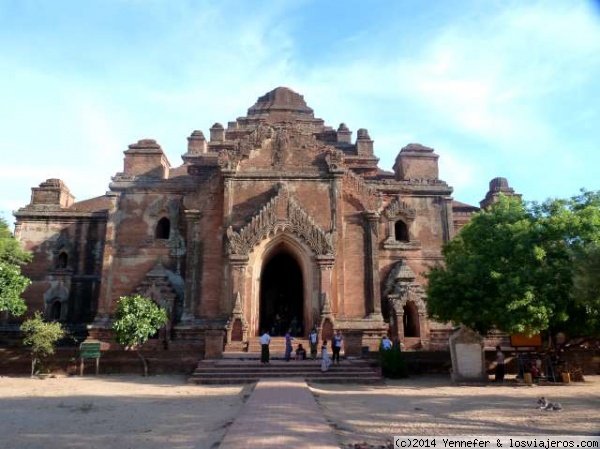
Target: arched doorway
{"x": 411, "y": 320}
{"x": 281, "y": 295}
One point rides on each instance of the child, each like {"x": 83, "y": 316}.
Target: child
{"x": 300, "y": 352}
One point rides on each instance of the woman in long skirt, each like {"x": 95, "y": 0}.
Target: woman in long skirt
{"x": 326, "y": 361}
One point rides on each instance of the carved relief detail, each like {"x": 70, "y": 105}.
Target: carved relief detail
{"x": 287, "y": 138}
{"x": 237, "y": 314}
{"x": 398, "y": 208}
{"x": 254, "y": 140}
{"x": 229, "y": 160}
{"x": 400, "y": 287}
{"x": 355, "y": 186}
{"x": 335, "y": 160}
{"x": 280, "y": 213}
{"x": 164, "y": 288}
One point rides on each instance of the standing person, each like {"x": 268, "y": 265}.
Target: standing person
{"x": 288, "y": 345}
{"x": 499, "y": 365}
{"x": 325, "y": 361}
{"x": 313, "y": 340}
{"x": 337, "y": 346}
{"x": 386, "y": 343}
{"x": 265, "y": 339}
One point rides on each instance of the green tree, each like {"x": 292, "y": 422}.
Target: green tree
{"x": 12, "y": 282}
{"x": 136, "y": 320}
{"x": 585, "y": 309}
{"x": 392, "y": 362}
{"x": 512, "y": 267}
{"x": 41, "y": 337}
{"x": 10, "y": 248}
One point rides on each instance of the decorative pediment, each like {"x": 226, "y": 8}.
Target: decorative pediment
{"x": 161, "y": 286}
{"x": 335, "y": 160}
{"x": 282, "y": 212}
{"x": 399, "y": 209}
{"x": 229, "y": 160}
{"x": 284, "y": 143}
{"x": 291, "y": 143}
{"x": 254, "y": 140}
{"x": 164, "y": 206}
{"x": 400, "y": 287}
{"x": 237, "y": 319}
{"x": 59, "y": 290}
{"x": 408, "y": 292}
{"x": 62, "y": 243}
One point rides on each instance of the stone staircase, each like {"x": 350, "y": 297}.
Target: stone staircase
{"x": 248, "y": 369}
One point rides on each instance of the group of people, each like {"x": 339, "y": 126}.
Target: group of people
{"x": 313, "y": 340}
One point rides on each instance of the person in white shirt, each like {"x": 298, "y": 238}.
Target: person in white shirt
{"x": 265, "y": 339}
{"x": 313, "y": 340}
{"x": 325, "y": 360}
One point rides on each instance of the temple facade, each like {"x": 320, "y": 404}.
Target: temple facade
{"x": 275, "y": 221}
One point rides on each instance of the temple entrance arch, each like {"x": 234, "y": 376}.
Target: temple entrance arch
{"x": 282, "y": 265}
{"x": 281, "y": 295}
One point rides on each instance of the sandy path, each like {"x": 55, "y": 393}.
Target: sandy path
{"x": 435, "y": 406}
{"x": 120, "y": 412}
{"x": 116, "y": 412}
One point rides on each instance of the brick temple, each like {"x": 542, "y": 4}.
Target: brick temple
{"x": 274, "y": 221}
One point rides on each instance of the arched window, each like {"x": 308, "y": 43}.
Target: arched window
{"x": 56, "y": 310}
{"x": 163, "y": 228}
{"x": 401, "y": 231}
{"x": 63, "y": 260}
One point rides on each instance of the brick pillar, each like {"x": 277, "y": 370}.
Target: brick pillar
{"x": 108, "y": 260}
{"x": 353, "y": 343}
{"x": 373, "y": 299}
{"x": 213, "y": 343}
{"x": 424, "y": 329}
{"x": 192, "y": 218}
{"x": 237, "y": 266}
{"x": 227, "y": 198}
{"x": 398, "y": 313}
{"x": 325, "y": 264}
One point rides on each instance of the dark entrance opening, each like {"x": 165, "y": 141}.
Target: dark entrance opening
{"x": 281, "y": 296}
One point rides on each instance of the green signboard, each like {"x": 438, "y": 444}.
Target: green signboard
{"x": 89, "y": 349}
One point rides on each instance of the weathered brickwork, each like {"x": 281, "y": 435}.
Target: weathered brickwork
{"x": 276, "y": 220}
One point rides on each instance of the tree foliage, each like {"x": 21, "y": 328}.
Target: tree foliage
{"x": 392, "y": 362}
{"x": 136, "y": 320}
{"x": 12, "y": 282}
{"x": 10, "y": 248}
{"x": 585, "y": 312}
{"x": 514, "y": 268}
{"x": 41, "y": 337}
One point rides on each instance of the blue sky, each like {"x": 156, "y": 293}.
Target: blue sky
{"x": 498, "y": 88}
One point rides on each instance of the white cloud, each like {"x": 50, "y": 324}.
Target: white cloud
{"x": 516, "y": 83}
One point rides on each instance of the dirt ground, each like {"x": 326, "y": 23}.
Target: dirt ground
{"x": 120, "y": 412}
{"x": 116, "y": 412}
{"x": 436, "y": 406}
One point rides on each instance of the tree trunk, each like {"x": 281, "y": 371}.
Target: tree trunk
{"x": 32, "y": 366}
{"x": 143, "y": 359}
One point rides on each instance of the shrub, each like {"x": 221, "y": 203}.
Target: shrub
{"x": 41, "y": 337}
{"x": 392, "y": 362}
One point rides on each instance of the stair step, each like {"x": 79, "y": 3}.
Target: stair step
{"x": 239, "y": 371}
{"x": 372, "y": 380}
